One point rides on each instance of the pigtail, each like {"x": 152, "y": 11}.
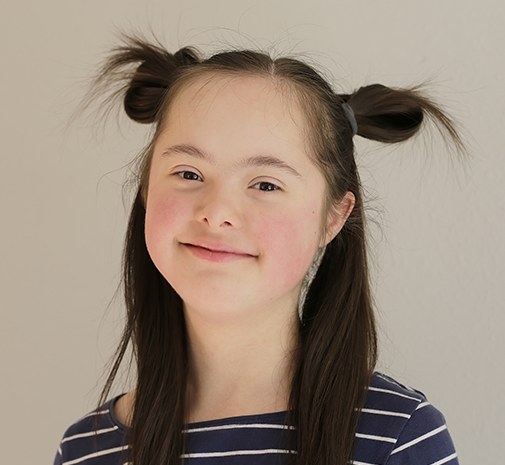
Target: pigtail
{"x": 152, "y": 78}
{"x": 139, "y": 73}
{"x": 394, "y": 115}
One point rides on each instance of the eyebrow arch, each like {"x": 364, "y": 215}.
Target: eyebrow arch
{"x": 256, "y": 160}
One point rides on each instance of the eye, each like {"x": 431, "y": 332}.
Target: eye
{"x": 267, "y": 186}
{"x": 188, "y": 175}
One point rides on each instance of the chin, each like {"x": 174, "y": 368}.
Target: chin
{"x": 212, "y": 312}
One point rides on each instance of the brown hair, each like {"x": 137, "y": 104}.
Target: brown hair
{"x": 337, "y": 352}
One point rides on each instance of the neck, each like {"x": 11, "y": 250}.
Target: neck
{"x": 240, "y": 367}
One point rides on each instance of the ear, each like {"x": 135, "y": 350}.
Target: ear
{"x": 337, "y": 216}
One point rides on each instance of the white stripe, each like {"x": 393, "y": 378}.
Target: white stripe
{"x": 422, "y": 404}
{"x": 96, "y": 454}
{"x": 419, "y": 439}
{"x": 376, "y": 438}
{"x": 59, "y": 451}
{"x": 384, "y": 378}
{"x": 90, "y": 433}
{"x": 237, "y": 452}
{"x": 395, "y": 382}
{"x": 354, "y": 462}
{"x": 446, "y": 459}
{"x": 385, "y": 412}
{"x": 233, "y": 426}
{"x": 389, "y": 391}
{"x": 100, "y": 412}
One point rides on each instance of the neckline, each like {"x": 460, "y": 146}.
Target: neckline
{"x": 266, "y": 417}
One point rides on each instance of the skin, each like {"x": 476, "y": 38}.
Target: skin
{"x": 241, "y": 314}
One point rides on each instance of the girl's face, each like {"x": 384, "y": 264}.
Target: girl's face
{"x": 230, "y": 173}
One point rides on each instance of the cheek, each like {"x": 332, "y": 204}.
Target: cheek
{"x": 161, "y": 223}
{"x": 289, "y": 241}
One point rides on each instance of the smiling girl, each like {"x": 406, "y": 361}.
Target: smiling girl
{"x": 245, "y": 272}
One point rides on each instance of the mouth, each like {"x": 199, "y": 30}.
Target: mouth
{"x": 215, "y": 255}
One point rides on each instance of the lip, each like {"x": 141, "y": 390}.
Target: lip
{"x": 219, "y": 254}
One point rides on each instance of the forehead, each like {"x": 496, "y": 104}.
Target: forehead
{"x": 262, "y": 107}
{"x": 230, "y": 88}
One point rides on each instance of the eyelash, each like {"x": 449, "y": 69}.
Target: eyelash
{"x": 276, "y": 187}
{"x": 178, "y": 173}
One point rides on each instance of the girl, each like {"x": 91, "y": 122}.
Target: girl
{"x": 245, "y": 272}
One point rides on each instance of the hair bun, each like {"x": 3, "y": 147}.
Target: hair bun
{"x": 152, "y": 78}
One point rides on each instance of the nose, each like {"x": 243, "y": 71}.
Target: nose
{"x": 219, "y": 208}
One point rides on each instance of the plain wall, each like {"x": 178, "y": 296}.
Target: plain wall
{"x": 438, "y": 253}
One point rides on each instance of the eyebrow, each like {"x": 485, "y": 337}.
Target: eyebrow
{"x": 256, "y": 160}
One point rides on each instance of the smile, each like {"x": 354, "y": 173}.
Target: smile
{"x": 213, "y": 255}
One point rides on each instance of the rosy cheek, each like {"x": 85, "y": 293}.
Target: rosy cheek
{"x": 162, "y": 218}
{"x": 288, "y": 244}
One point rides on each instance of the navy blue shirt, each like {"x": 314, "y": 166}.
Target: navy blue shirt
{"x": 397, "y": 426}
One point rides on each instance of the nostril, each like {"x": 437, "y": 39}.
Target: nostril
{"x": 218, "y": 223}
{"x": 219, "y": 207}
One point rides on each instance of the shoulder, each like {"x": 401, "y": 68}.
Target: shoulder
{"x": 399, "y": 425}
{"x": 97, "y": 435}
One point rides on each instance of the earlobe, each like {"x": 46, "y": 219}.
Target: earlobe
{"x": 338, "y": 215}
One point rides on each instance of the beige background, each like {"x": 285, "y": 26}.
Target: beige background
{"x": 438, "y": 254}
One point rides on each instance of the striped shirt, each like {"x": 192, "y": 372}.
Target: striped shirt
{"x": 397, "y": 426}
